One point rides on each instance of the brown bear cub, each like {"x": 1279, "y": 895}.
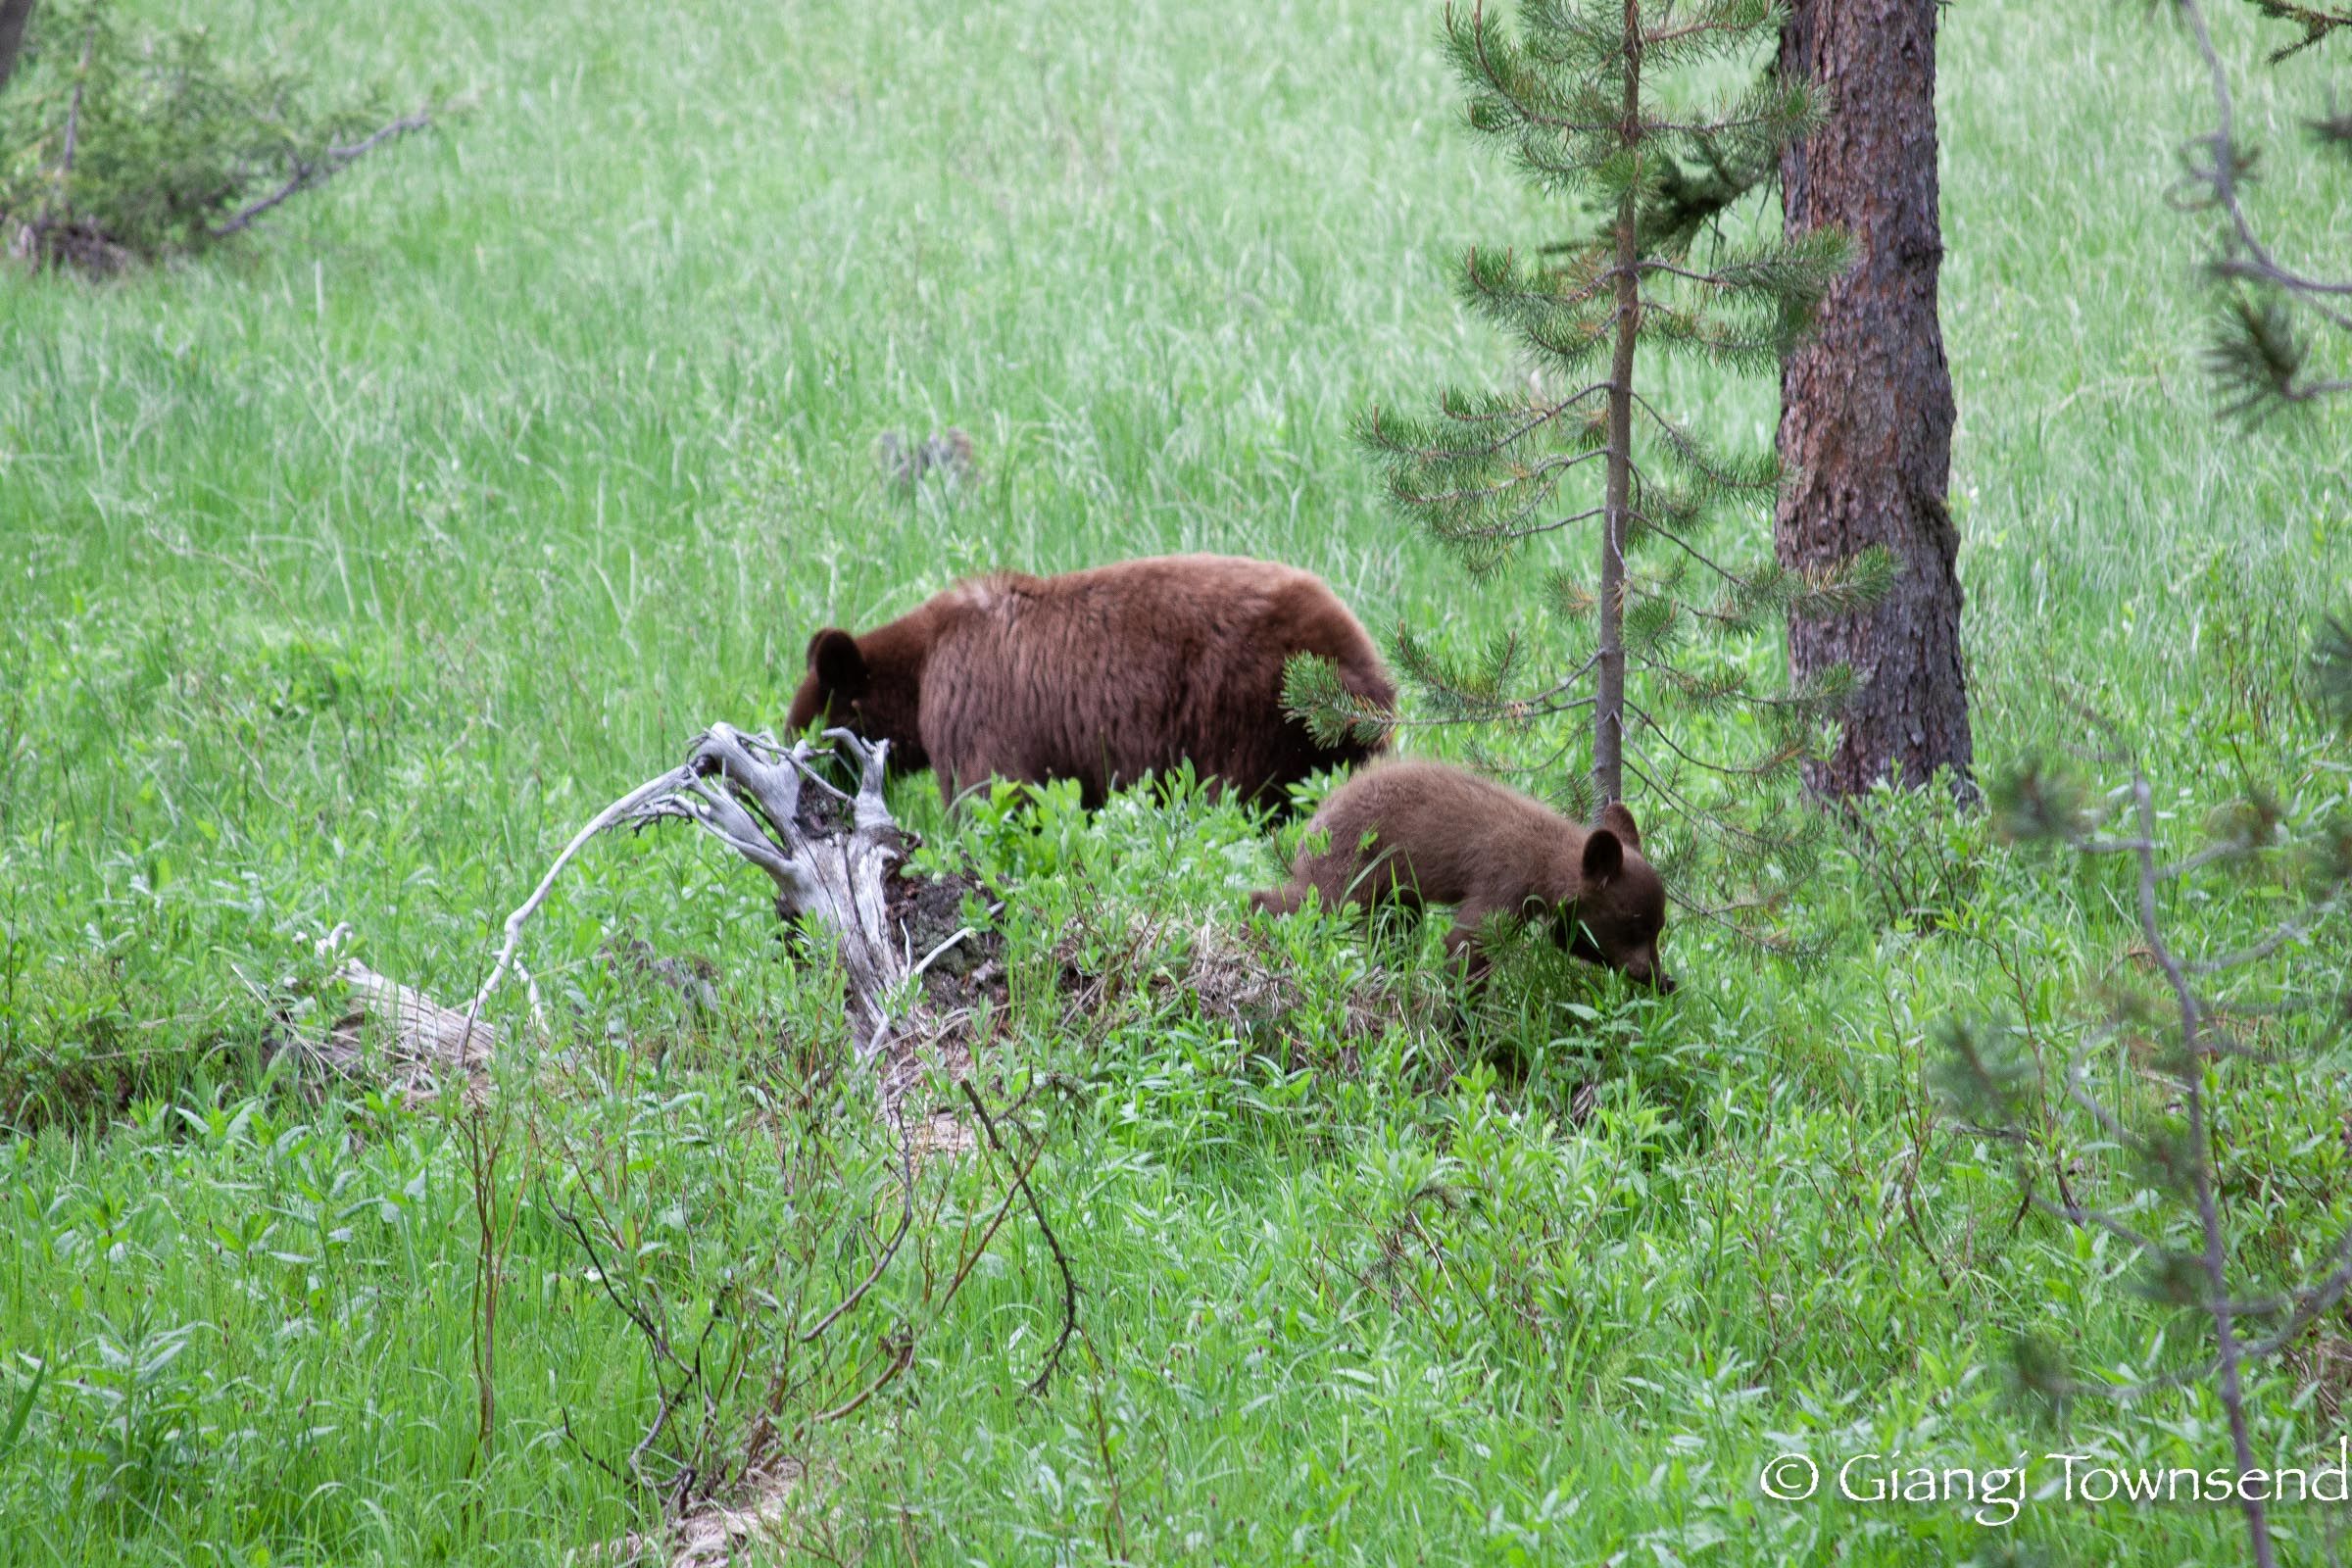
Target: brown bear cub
{"x": 1100, "y": 677}
{"x": 1422, "y": 833}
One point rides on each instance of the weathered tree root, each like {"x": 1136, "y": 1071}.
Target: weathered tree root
{"x": 420, "y": 1047}
{"x": 832, "y": 856}
{"x": 835, "y": 860}
{"x": 751, "y": 795}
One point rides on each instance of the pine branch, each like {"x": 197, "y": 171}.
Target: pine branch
{"x": 1711, "y": 477}
{"x": 1313, "y": 693}
{"x": 1695, "y": 191}
{"x": 2257, "y": 357}
{"x": 2215, "y": 1256}
{"x": 1749, "y": 843}
{"x": 2316, "y": 22}
{"x": 1773, "y": 763}
{"x": 1839, "y": 588}
{"x": 1397, "y": 441}
{"x": 2171, "y": 1156}
{"x": 1711, "y": 29}
{"x": 2332, "y": 130}
{"x": 1673, "y": 536}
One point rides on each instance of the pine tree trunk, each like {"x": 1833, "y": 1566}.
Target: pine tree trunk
{"x": 14, "y": 14}
{"x": 1608, "y": 705}
{"x": 1866, "y": 407}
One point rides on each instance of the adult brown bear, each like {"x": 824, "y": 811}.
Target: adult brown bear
{"x": 1100, "y": 677}
{"x": 1416, "y": 833}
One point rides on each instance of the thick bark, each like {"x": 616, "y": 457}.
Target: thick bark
{"x": 14, "y": 14}
{"x": 1866, "y": 406}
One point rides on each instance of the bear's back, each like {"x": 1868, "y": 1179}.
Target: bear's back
{"x": 1464, "y": 836}
{"x": 1116, "y": 671}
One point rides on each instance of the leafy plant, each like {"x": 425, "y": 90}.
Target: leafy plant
{"x": 123, "y": 145}
{"x": 144, "y": 1422}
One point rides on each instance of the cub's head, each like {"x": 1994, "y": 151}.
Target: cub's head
{"x": 1615, "y": 912}
{"x": 877, "y": 700}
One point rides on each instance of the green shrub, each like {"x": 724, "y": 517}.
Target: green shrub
{"x": 123, "y": 145}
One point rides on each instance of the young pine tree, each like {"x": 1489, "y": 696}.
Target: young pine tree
{"x": 121, "y": 145}
{"x": 2141, "y": 1129}
{"x": 1656, "y": 623}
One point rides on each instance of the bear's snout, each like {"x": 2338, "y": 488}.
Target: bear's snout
{"x": 1644, "y": 970}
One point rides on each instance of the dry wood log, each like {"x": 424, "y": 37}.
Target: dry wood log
{"x": 831, "y": 855}
{"x": 834, "y": 858}
{"x": 416, "y": 1047}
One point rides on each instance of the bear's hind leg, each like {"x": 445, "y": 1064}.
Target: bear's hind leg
{"x": 1281, "y": 901}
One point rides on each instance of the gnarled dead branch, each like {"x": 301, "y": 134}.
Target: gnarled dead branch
{"x": 831, "y": 855}
{"x": 834, "y": 858}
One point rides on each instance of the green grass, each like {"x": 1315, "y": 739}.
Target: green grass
{"x": 344, "y": 574}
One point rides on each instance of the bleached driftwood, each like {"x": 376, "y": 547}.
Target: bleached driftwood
{"x": 771, "y": 806}
{"x": 416, "y": 1046}
{"x": 715, "y": 1535}
{"x": 834, "y": 858}
{"x": 748, "y": 792}
{"x": 831, "y": 855}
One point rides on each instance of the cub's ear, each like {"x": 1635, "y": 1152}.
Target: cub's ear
{"x": 1604, "y": 857}
{"x": 1620, "y": 821}
{"x": 834, "y": 657}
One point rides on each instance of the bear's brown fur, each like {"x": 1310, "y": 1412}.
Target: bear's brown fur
{"x": 1100, "y": 677}
{"x": 1420, "y": 833}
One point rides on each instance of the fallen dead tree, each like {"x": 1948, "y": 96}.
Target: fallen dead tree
{"x": 396, "y": 1036}
{"x": 836, "y": 859}
{"x": 725, "y": 1456}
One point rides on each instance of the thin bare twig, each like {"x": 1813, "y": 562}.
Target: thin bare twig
{"x": 902, "y": 1359}
{"x": 1069, "y": 1281}
{"x": 306, "y": 175}
{"x": 55, "y": 197}
{"x": 617, "y": 812}
{"x": 810, "y": 1335}
{"x": 2280, "y": 936}
{"x": 81, "y": 76}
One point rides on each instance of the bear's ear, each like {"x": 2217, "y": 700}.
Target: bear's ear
{"x": 1620, "y": 821}
{"x": 1604, "y": 857}
{"x": 834, "y": 657}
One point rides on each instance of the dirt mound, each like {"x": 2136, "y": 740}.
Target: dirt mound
{"x": 1230, "y": 974}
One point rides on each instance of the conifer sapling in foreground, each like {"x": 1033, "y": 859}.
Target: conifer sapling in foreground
{"x": 1657, "y": 641}
{"x": 2275, "y": 311}
{"x": 2129, "y": 1131}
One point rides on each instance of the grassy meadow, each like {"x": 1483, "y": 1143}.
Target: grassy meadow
{"x": 344, "y": 574}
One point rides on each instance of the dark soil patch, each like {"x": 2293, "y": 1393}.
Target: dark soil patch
{"x": 929, "y": 909}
